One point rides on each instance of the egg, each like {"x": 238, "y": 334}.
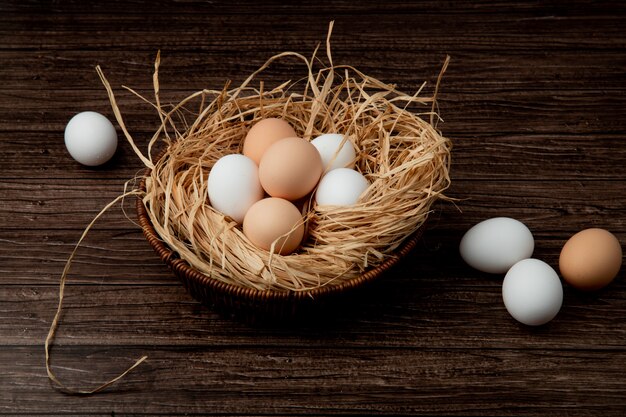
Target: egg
{"x": 274, "y": 220}
{"x": 496, "y": 244}
{"x": 233, "y": 186}
{"x": 290, "y": 168}
{"x": 590, "y": 259}
{"x": 263, "y": 134}
{"x": 335, "y": 154}
{"x": 340, "y": 187}
{"x": 90, "y": 138}
{"x": 532, "y": 292}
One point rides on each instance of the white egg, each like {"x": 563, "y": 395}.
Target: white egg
{"x": 333, "y": 153}
{"x": 340, "y": 187}
{"x": 496, "y": 244}
{"x": 532, "y": 292}
{"x": 234, "y": 186}
{"x": 90, "y": 138}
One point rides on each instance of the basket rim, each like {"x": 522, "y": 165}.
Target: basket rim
{"x": 172, "y": 259}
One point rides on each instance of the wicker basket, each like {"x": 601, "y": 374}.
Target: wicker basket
{"x": 374, "y": 115}
{"x": 255, "y": 306}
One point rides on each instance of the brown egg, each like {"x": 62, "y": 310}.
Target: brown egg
{"x": 290, "y": 168}
{"x": 263, "y": 134}
{"x": 271, "y": 219}
{"x": 590, "y": 259}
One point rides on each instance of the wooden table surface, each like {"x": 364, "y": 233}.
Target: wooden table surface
{"x": 534, "y": 101}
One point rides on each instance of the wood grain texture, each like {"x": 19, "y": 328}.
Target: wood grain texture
{"x": 410, "y": 308}
{"x": 508, "y": 157}
{"x": 71, "y": 204}
{"x": 534, "y": 102}
{"x": 291, "y": 380}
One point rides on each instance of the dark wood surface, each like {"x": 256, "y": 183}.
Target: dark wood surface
{"x": 534, "y": 101}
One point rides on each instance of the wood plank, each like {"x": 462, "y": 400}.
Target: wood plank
{"x": 37, "y": 257}
{"x": 42, "y": 155}
{"x": 123, "y": 256}
{"x": 485, "y": 113}
{"x": 41, "y": 204}
{"x": 37, "y": 204}
{"x": 539, "y": 158}
{"x": 558, "y": 207}
{"x": 416, "y": 305}
{"x": 314, "y": 381}
{"x": 531, "y": 8}
{"x": 489, "y": 70}
{"x": 196, "y": 31}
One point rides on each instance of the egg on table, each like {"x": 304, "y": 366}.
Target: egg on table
{"x": 590, "y": 259}
{"x": 532, "y": 292}
{"x": 496, "y": 244}
{"x": 90, "y": 138}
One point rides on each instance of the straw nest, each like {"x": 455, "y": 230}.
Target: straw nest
{"x": 404, "y": 157}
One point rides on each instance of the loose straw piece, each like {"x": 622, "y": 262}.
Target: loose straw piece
{"x": 433, "y": 112}
{"x": 120, "y": 119}
{"x": 55, "y": 322}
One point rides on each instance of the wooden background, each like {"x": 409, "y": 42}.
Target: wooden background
{"x": 535, "y": 103}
